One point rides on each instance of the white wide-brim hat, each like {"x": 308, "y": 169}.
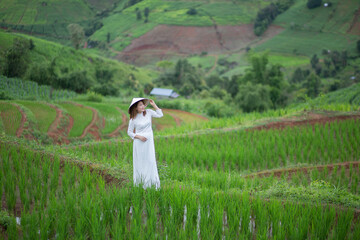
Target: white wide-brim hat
{"x": 135, "y": 100}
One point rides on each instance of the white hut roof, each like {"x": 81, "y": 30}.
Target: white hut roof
{"x": 163, "y": 92}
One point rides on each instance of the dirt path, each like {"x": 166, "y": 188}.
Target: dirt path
{"x": 24, "y": 131}
{"x": 354, "y": 27}
{"x": 213, "y": 67}
{"x": 60, "y": 128}
{"x": 188, "y": 113}
{"x": 313, "y": 119}
{"x": 123, "y": 125}
{"x": 295, "y": 170}
{"x": 177, "y": 119}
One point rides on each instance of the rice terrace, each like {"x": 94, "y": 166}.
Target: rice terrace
{"x": 260, "y": 133}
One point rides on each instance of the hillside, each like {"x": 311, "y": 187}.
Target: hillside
{"x": 309, "y": 31}
{"x": 215, "y": 28}
{"x": 225, "y": 28}
{"x": 219, "y": 29}
{"x": 50, "y": 18}
{"x": 68, "y": 60}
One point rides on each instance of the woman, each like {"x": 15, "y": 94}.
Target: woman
{"x": 144, "y": 163}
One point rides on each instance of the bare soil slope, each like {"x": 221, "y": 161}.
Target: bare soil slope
{"x": 165, "y": 41}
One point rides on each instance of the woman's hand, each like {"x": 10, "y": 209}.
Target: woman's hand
{"x": 153, "y": 104}
{"x": 142, "y": 138}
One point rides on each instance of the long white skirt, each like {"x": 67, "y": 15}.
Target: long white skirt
{"x": 144, "y": 163}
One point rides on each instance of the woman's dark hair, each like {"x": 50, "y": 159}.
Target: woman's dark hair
{"x": 133, "y": 110}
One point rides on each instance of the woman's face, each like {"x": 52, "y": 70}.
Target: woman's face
{"x": 140, "y": 107}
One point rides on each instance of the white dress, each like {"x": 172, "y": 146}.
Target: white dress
{"x": 144, "y": 163}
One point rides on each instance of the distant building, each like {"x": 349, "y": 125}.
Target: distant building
{"x": 163, "y": 93}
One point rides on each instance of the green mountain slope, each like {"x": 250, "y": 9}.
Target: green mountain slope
{"x": 309, "y": 31}
{"x": 124, "y": 26}
{"x": 50, "y": 18}
{"x": 69, "y": 60}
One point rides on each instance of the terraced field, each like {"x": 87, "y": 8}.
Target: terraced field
{"x": 71, "y": 121}
{"x": 240, "y": 183}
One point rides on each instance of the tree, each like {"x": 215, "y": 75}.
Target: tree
{"x": 31, "y": 44}
{"x": 187, "y": 89}
{"x": 16, "y": 58}
{"x": 232, "y": 85}
{"x": 138, "y": 15}
{"x": 257, "y": 72}
{"x": 148, "y": 87}
{"x": 217, "y": 92}
{"x": 298, "y": 76}
{"x": 108, "y": 37}
{"x": 266, "y": 15}
{"x": 146, "y": 12}
{"x": 192, "y": 11}
{"x": 313, "y": 83}
{"x": 184, "y": 77}
{"x": 253, "y": 97}
{"x": 313, "y": 3}
{"x": 344, "y": 58}
{"x": 214, "y": 80}
{"x": 75, "y": 81}
{"x": 105, "y": 85}
{"x": 76, "y": 34}
{"x": 358, "y": 46}
{"x": 164, "y": 65}
{"x": 270, "y": 76}
{"x": 314, "y": 61}
{"x": 42, "y": 74}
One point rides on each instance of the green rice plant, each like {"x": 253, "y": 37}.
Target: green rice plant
{"x": 62, "y": 224}
{"x": 190, "y": 216}
{"x": 151, "y": 199}
{"x": 44, "y": 114}
{"x": 79, "y": 228}
{"x": 98, "y": 231}
{"x": 344, "y": 223}
{"x": 356, "y": 233}
{"x": 10, "y": 191}
{"x": 25, "y": 200}
{"x": 117, "y": 229}
{"x": 11, "y": 117}
{"x": 12, "y": 230}
{"x": 322, "y": 221}
{"x": 2, "y": 179}
{"x": 29, "y": 225}
{"x": 82, "y": 118}
{"x": 276, "y": 213}
{"x": 205, "y": 202}
{"x": 44, "y": 226}
{"x": 122, "y": 206}
{"x": 113, "y": 117}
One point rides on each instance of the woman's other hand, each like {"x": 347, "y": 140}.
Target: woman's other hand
{"x": 142, "y": 138}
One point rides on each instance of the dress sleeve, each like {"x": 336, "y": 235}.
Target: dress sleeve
{"x": 131, "y": 127}
{"x": 157, "y": 114}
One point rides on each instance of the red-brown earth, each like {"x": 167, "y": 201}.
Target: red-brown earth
{"x": 166, "y": 41}
{"x": 60, "y": 128}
